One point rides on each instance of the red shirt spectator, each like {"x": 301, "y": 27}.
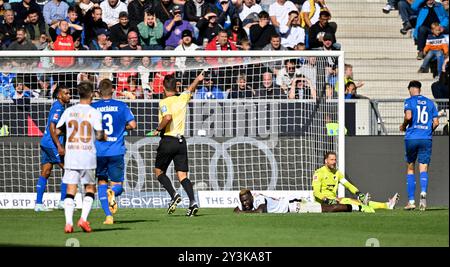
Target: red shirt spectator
{"x": 121, "y": 78}
{"x": 168, "y": 68}
{"x": 221, "y": 42}
{"x": 63, "y": 41}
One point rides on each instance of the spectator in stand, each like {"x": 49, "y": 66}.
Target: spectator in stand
{"x": 291, "y": 32}
{"x": 436, "y": 48}
{"x": 407, "y": 14}
{"x": 7, "y": 81}
{"x": 137, "y": 9}
{"x": 72, "y": 19}
{"x": 429, "y": 13}
{"x": 93, "y": 22}
{"x": 144, "y": 71}
{"x": 286, "y": 75}
{"x": 390, "y": 5}
{"x": 348, "y": 76}
{"x": 208, "y": 90}
{"x": 261, "y": 33}
{"x": 279, "y": 11}
{"x": 111, "y": 10}
{"x": 8, "y": 28}
{"x": 186, "y": 45}
{"x": 62, "y": 41}
{"x": 267, "y": 88}
{"x": 120, "y": 79}
{"x": 103, "y": 42}
{"x": 119, "y": 32}
{"x": 163, "y": 10}
{"x": 86, "y": 6}
{"x": 302, "y": 88}
{"x": 221, "y": 42}
{"x": 174, "y": 27}
{"x": 54, "y": 11}
{"x": 311, "y": 11}
{"x": 236, "y": 33}
{"x": 275, "y": 44}
{"x": 225, "y": 11}
{"x": 241, "y": 89}
{"x": 208, "y": 28}
{"x": 440, "y": 88}
{"x": 133, "y": 41}
{"x": 108, "y": 68}
{"x": 320, "y": 28}
{"x": 3, "y": 7}
{"x": 166, "y": 66}
{"x": 247, "y": 8}
{"x": 22, "y": 10}
{"x": 35, "y": 27}
{"x": 150, "y": 32}
{"x": 351, "y": 92}
{"x": 21, "y": 42}
{"x": 194, "y": 10}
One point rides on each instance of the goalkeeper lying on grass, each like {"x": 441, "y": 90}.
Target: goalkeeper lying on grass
{"x": 258, "y": 203}
{"x": 325, "y": 184}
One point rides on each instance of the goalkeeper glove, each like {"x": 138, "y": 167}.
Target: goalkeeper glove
{"x": 364, "y": 198}
{"x": 330, "y": 201}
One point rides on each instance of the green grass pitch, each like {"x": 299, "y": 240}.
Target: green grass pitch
{"x": 221, "y": 227}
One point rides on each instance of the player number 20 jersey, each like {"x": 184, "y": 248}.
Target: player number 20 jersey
{"x": 81, "y": 123}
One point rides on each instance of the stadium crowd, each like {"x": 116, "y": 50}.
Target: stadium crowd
{"x": 170, "y": 25}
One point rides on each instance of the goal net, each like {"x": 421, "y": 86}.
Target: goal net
{"x": 259, "y": 120}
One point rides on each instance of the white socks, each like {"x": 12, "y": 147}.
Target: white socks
{"x": 69, "y": 206}
{"x": 87, "y": 205}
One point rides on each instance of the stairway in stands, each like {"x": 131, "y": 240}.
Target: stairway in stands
{"x": 381, "y": 57}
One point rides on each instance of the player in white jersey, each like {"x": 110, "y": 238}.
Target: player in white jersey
{"x": 83, "y": 124}
{"x": 259, "y": 203}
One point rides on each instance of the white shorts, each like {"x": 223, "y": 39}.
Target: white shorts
{"x": 75, "y": 176}
{"x": 305, "y": 207}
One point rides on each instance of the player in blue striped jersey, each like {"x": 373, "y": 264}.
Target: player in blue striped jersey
{"x": 117, "y": 119}
{"x": 421, "y": 119}
{"x": 52, "y": 147}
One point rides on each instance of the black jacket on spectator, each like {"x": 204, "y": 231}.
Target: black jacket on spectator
{"x": 206, "y": 31}
{"x": 260, "y": 37}
{"x": 22, "y": 12}
{"x": 9, "y": 32}
{"x": 119, "y": 34}
{"x": 41, "y": 26}
{"x": 315, "y": 30}
{"x": 190, "y": 11}
{"x": 162, "y": 12}
{"x": 136, "y": 11}
{"x": 91, "y": 26}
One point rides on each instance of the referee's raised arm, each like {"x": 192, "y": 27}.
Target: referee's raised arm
{"x": 197, "y": 80}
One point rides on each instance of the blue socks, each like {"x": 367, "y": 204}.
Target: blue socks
{"x": 117, "y": 189}
{"x": 103, "y": 197}
{"x": 411, "y": 185}
{"x": 63, "y": 191}
{"x": 423, "y": 181}
{"x": 40, "y": 189}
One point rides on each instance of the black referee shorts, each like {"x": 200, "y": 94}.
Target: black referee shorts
{"x": 170, "y": 148}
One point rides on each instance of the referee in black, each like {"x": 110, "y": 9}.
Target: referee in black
{"x": 172, "y": 146}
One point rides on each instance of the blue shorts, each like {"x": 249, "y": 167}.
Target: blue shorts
{"x": 419, "y": 149}
{"x": 50, "y": 155}
{"x": 111, "y": 168}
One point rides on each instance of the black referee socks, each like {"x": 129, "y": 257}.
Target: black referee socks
{"x": 167, "y": 184}
{"x": 187, "y": 185}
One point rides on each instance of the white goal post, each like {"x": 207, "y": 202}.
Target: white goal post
{"x": 238, "y": 136}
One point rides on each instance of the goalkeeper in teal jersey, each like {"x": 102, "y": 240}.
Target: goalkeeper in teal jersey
{"x": 325, "y": 185}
